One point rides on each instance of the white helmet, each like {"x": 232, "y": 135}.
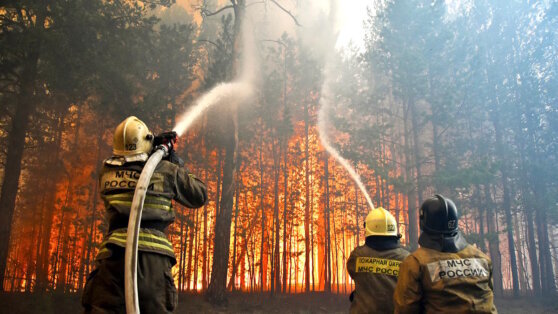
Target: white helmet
{"x": 132, "y": 140}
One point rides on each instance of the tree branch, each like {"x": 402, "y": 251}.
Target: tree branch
{"x": 206, "y": 12}
{"x": 253, "y": 3}
{"x": 286, "y": 11}
{"x": 211, "y": 42}
{"x": 275, "y": 41}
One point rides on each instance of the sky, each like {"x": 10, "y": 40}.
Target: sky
{"x": 351, "y": 16}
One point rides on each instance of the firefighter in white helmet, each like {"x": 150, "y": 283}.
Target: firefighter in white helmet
{"x": 104, "y": 289}
{"x": 374, "y": 266}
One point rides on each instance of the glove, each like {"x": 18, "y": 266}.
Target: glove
{"x": 167, "y": 139}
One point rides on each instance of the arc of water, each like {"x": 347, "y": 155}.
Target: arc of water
{"x": 322, "y": 127}
{"x": 325, "y": 101}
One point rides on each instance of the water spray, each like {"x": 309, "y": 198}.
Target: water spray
{"x": 232, "y": 93}
{"x": 322, "y": 127}
{"x": 325, "y": 101}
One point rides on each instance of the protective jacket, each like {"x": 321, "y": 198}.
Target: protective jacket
{"x": 104, "y": 288}
{"x": 169, "y": 182}
{"x": 374, "y": 267}
{"x": 441, "y": 277}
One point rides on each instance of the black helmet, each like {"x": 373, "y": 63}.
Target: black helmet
{"x": 438, "y": 215}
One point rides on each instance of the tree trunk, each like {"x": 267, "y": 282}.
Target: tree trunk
{"x": 95, "y": 198}
{"x": 528, "y": 207}
{"x": 481, "y": 210}
{"x": 412, "y": 194}
{"x": 521, "y": 268}
{"x": 38, "y": 250}
{"x": 507, "y": 204}
{"x": 217, "y": 285}
{"x": 205, "y": 252}
{"x": 248, "y": 231}
{"x": 327, "y": 239}
{"x": 276, "y": 281}
{"x": 197, "y": 250}
{"x": 532, "y": 248}
{"x": 30, "y": 258}
{"x": 416, "y": 151}
{"x": 494, "y": 242}
{"x": 182, "y": 249}
{"x": 263, "y": 254}
{"x": 189, "y": 245}
{"x": 285, "y": 202}
{"x": 548, "y": 280}
{"x": 307, "y": 207}
{"x": 233, "y": 271}
{"x": 223, "y": 218}
{"x": 87, "y": 241}
{"x": 12, "y": 169}
{"x": 44, "y": 261}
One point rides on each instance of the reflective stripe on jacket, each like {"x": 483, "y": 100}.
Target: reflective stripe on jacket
{"x": 169, "y": 182}
{"x": 375, "y": 275}
{"x": 151, "y": 202}
{"x": 149, "y": 241}
{"x": 440, "y": 282}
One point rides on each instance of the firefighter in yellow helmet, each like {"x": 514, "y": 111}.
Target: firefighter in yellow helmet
{"x": 374, "y": 266}
{"x": 446, "y": 274}
{"x": 104, "y": 289}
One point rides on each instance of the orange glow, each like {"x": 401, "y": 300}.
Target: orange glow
{"x": 66, "y": 219}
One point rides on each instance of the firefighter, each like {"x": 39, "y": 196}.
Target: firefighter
{"x": 104, "y": 289}
{"x": 446, "y": 274}
{"x": 374, "y": 266}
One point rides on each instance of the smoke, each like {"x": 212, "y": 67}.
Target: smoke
{"x": 233, "y": 93}
{"x": 327, "y": 98}
{"x": 323, "y": 42}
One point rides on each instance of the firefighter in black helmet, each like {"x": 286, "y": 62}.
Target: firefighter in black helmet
{"x": 446, "y": 274}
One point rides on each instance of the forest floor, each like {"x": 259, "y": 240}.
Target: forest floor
{"x": 23, "y": 303}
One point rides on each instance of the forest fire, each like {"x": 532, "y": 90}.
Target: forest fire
{"x": 296, "y": 138}
{"x": 188, "y": 234}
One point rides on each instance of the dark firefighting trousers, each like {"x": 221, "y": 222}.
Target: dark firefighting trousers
{"x": 104, "y": 289}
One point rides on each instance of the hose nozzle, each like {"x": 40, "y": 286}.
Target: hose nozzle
{"x": 165, "y": 141}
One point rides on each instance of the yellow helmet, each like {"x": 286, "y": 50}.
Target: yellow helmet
{"x": 132, "y": 140}
{"x": 380, "y": 222}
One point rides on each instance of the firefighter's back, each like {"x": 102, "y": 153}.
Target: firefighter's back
{"x": 375, "y": 275}
{"x": 455, "y": 282}
{"x": 374, "y": 266}
{"x": 104, "y": 288}
{"x": 446, "y": 274}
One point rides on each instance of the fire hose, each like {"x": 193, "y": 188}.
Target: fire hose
{"x": 163, "y": 146}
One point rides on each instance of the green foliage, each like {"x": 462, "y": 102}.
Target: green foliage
{"x": 110, "y": 53}
{"x": 480, "y": 173}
